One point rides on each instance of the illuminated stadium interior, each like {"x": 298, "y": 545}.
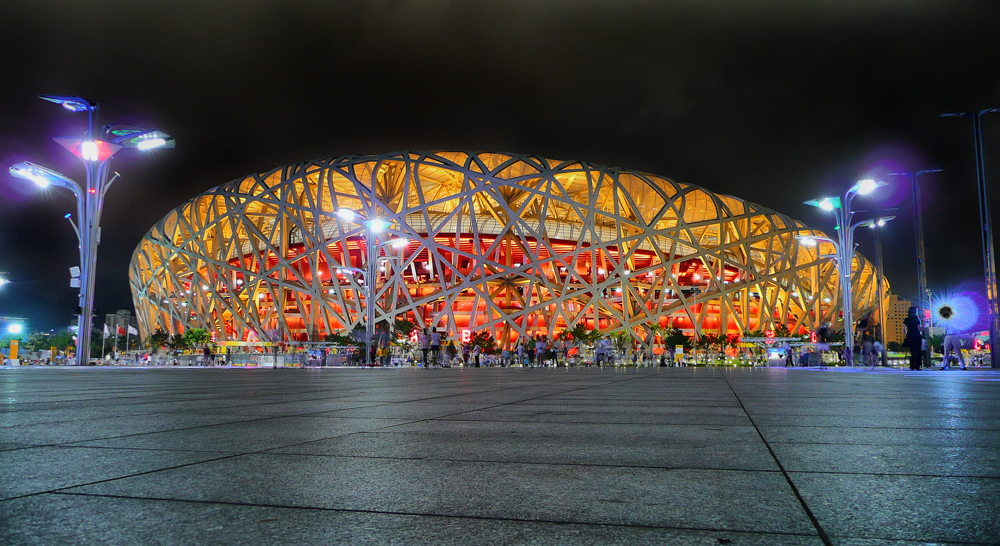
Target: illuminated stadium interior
{"x": 514, "y": 244}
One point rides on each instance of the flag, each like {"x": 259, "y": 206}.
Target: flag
{"x": 132, "y": 331}
{"x": 121, "y": 331}
{"x": 106, "y": 333}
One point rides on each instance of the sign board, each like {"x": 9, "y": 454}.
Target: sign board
{"x": 13, "y": 349}
{"x": 678, "y": 353}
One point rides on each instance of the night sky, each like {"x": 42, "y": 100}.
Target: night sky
{"x": 775, "y": 102}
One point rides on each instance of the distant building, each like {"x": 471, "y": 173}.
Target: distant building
{"x": 123, "y": 318}
{"x": 895, "y": 312}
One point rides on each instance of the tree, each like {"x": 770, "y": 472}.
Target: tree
{"x": 342, "y": 339}
{"x": 485, "y": 341}
{"x": 622, "y": 341}
{"x": 177, "y": 342}
{"x": 673, "y": 337}
{"x": 403, "y": 328}
{"x": 707, "y": 341}
{"x": 196, "y": 336}
{"x": 157, "y": 339}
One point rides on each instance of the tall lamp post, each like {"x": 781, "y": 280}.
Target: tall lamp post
{"x": 923, "y": 300}
{"x": 986, "y": 226}
{"x": 845, "y": 235}
{"x": 878, "y": 222}
{"x": 373, "y": 228}
{"x": 95, "y": 151}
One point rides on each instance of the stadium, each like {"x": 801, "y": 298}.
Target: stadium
{"x": 460, "y": 241}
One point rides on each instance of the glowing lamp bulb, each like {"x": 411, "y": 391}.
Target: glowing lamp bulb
{"x": 150, "y": 143}
{"x": 14, "y": 328}
{"x": 826, "y": 204}
{"x": 866, "y": 186}
{"x": 88, "y": 150}
{"x": 377, "y": 225}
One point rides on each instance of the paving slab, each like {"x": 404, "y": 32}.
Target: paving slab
{"x": 45, "y": 520}
{"x": 729, "y": 500}
{"x": 40, "y": 469}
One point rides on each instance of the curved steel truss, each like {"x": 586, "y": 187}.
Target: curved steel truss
{"x": 516, "y": 244}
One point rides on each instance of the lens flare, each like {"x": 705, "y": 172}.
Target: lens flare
{"x": 956, "y": 311}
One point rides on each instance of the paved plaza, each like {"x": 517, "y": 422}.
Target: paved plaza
{"x": 498, "y": 456}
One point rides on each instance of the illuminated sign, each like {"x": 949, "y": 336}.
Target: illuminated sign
{"x": 466, "y": 336}
{"x": 769, "y": 334}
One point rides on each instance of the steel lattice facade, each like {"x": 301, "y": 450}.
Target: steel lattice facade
{"x": 514, "y": 244}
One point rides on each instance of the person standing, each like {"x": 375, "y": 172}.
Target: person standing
{"x": 425, "y": 344}
{"x": 951, "y": 339}
{"x": 541, "y": 350}
{"x": 913, "y": 340}
{"x": 435, "y": 347}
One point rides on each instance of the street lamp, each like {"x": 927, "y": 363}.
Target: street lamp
{"x": 923, "y": 301}
{"x": 878, "y": 222}
{"x": 986, "y": 226}
{"x": 373, "y": 228}
{"x": 95, "y": 153}
{"x": 845, "y": 234}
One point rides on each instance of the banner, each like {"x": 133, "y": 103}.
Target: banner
{"x": 13, "y": 349}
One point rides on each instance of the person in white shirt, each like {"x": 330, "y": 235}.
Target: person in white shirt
{"x": 951, "y": 339}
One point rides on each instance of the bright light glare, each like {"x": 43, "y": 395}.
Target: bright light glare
{"x": 150, "y": 143}
{"x": 347, "y": 214}
{"x": 15, "y": 328}
{"x": 74, "y": 106}
{"x": 826, "y": 204}
{"x": 377, "y": 225}
{"x": 28, "y": 173}
{"x": 88, "y": 150}
{"x": 400, "y": 243}
{"x": 866, "y": 186}
{"x": 807, "y": 241}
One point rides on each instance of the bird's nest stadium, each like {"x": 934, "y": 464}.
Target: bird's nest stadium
{"x": 512, "y": 244}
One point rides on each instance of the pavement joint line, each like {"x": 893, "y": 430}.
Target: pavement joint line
{"x": 273, "y": 451}
{"x": 805, "y": 506}
{"x": 433, "y": 515}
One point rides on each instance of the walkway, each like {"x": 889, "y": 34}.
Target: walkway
{"x": 498, "y": 456}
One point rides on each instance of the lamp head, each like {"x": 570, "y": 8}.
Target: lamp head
{"x": 824, "y": 203}
{"x": 41, "y": 176}
{"x": 866, "y": 186}
{"x": 347, "y": 214}
{"x": 73, "y": 104}
{"x": 377, "y": 225}
{"x": 130, "y": 136}
{"x": 400, "y": 243}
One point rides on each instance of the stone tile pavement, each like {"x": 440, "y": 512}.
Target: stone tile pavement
{"x": 498, "y": 456}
